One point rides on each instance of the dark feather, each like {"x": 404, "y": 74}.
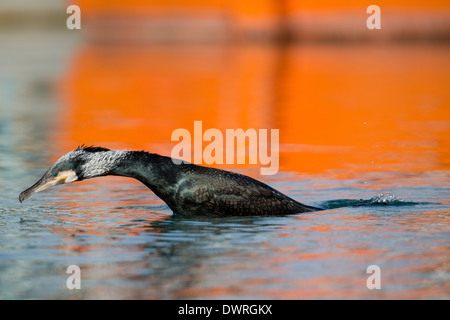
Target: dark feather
{"x": 91, "y": 148}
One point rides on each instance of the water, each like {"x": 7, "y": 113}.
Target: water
{"x": 380, "y": 171}
{"x": 127, "y": 248}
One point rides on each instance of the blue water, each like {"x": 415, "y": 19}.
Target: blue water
{"x": 130, "y": 245}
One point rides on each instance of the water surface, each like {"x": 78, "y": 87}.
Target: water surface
{"x": 355, "y": 122}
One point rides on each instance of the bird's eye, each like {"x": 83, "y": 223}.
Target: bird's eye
{"x": 55, "y": 174}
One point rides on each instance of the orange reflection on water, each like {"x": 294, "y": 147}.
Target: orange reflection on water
{"x": 135, "y": 98}
{"x": 341, "y": 110}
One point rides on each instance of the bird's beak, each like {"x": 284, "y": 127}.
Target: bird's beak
{"x": 46, "y": 182}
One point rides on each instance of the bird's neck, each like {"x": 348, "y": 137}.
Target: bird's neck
{"x": 157, "y": 172}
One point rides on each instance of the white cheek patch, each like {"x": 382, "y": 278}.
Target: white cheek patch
{"x": 68, "y": 176}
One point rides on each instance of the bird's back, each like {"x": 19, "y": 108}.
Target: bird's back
{"x": 209, "y": 191}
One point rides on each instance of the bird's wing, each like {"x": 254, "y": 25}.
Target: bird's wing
{"x": 240, "y": 196}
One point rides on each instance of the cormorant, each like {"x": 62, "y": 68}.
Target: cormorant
{"x": 188, "y": 189}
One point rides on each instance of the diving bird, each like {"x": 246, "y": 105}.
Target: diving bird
{"x": 188, "y": 189}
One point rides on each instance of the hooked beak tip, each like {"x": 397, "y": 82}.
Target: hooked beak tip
{"x": 23, "y": 196}
{"x": 42, "y": 184}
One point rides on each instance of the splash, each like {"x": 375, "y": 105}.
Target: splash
{"x": 380, "y": 199}
{"x": 385, "y": 199}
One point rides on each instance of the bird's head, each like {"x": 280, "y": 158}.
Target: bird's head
{"x": 82, "y": 163}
